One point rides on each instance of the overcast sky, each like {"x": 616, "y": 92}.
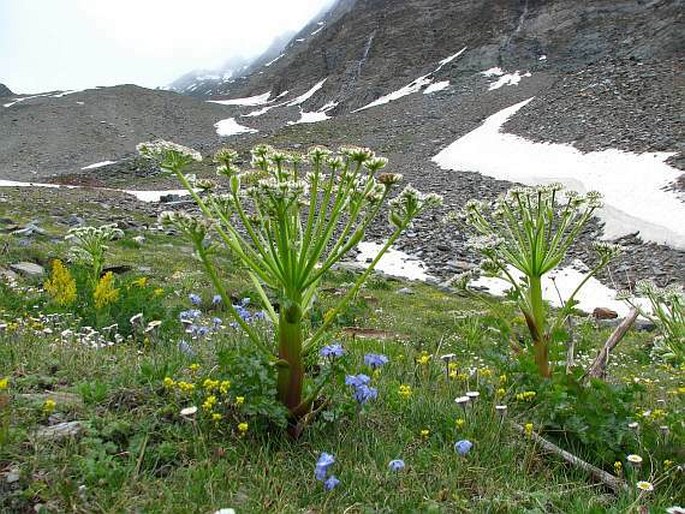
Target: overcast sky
{"x": 74, "y": 44}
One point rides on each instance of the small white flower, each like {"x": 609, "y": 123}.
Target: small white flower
{"x": 675, "y": 510}
{"x": 634, "y": 425}
{"x": 634, "y": 459}
{"x": 462, "y": 400}
{"x": 472, "y": 395}
{"x": 225, "y": 511}
{"x": 643, "y": 485}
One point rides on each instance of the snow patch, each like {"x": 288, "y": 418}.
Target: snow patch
{"x": 394, "y": 262}
{"x": 508, "y": 79}
{"x": 321, "y": 27}
{"x": 542, "y": 58}
{"x": 230, "y": 127}
{"x": 313, "y": 117}
{"x": 306, "y": 96}
{"x": 437, "y": 86}
{"x": 493, "y": 72}
{"x": 98, "y": 165}
{"x": 249, "y": 101}
{"x": 633, "y": 185}
{"x": 592, "y": 295}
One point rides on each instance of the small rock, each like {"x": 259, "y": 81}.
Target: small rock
{"x": 604, "y": 313}
{"x": 60, "y": 431}
{"x": 405, "y": 290}
{"x": 139, "y": 239}
{"x": 28, "y": 269}
{"x": 13, "y": 476}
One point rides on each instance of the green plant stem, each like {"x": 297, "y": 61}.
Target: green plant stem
{"x": 536, "y": 322}
{"x": 291, "y": 367}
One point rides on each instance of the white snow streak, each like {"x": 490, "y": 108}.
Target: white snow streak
{"x": 410, "y": 88}
{"x": 98, "y": 165}
{"x": 449, "y": 59}
{"x": 313, "y": 117}
{"x": 306, "y": 96}
{"x": 248, "y": 101}
{"x": 273, "y": 61}
{"x": 436, "y": 86}
{"x": 633, "y": 185}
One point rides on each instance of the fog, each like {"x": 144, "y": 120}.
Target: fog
{"x": 74, "y": 44}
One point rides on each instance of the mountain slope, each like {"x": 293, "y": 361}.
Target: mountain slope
{"x": 367, "y": 47}
{"x": 5, "y": 91}
{"x": 64, "y": 132}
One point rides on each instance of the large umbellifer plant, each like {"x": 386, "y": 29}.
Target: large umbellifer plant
{"x": 288, "y": 220}
{"x": 524, "y": 235}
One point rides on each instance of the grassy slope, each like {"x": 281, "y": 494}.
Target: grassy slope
{"x": 138, "y": 455}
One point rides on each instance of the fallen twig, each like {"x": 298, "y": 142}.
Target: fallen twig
{"x": 611, "y": 481}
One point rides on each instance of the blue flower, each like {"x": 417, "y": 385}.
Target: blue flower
{"x": 189, "y": 314}
{"x": 185, "y": 348}
{"x": 463, "y": 447}
{"x": 325, "y": 461}
{"x": 357, "y": 380}
{"x": 216, "y": 300}
{"x": 364, "y": 393}
{"x": 245, "y": 301}
{"x": 217, "y": 322}
{"x": 332, "y": 350}
{"x": 195, "y": 299}
{"x": 202, "y": 331}
{"x": 396, "y": 464}
{"x": 331, "y": 482}
{"x": 243, "y": 312}
{"x": 375, "y": 360}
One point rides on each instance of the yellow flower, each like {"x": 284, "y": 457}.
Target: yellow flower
{"x": 224, "y": 386}
{"x": 239, "y": 400}
{"x": 140, "y": 282}
{"x": 485, "y": 372}
{"x": 463, "y": 377}
{"x": 105, "y": 293}
{"x": 49, "y": 406}
{"x": 452, "y": 366}
{"x": 424, "y": 358}
{"x": 209, "y": 403}
{"x": 526, "y": 396}
{"x": 453, "y": 374}
{"x": 216, "y": 417}
{"x": 158, "y": 292}
{"x": 424, "y": 433}
{"x": 186, "y": 387}
{"x": 460, "y": 422}
{"x": 528, "y": 427}
{"x": 4, "y": 383}
{"x": 405, "y": 391}
{"x": 681, "y": 390}
{"x": 657, "y": 414}
{"x": 503, "y": 378}
{"x": 194, "y": 367}
{"x": 618, "y": 467}
{"x": 169, "y": 382}
{"x": 210, "y": 385}
{"x": 61, "y": 286}
{"x": 501, "y": 391}
{"x": 668, "y": 464}
{"x": 242, "y": 427}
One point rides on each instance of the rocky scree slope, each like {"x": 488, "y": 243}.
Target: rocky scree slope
{"x": 56, "y": 133}
{"x": 5, "y": 91}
